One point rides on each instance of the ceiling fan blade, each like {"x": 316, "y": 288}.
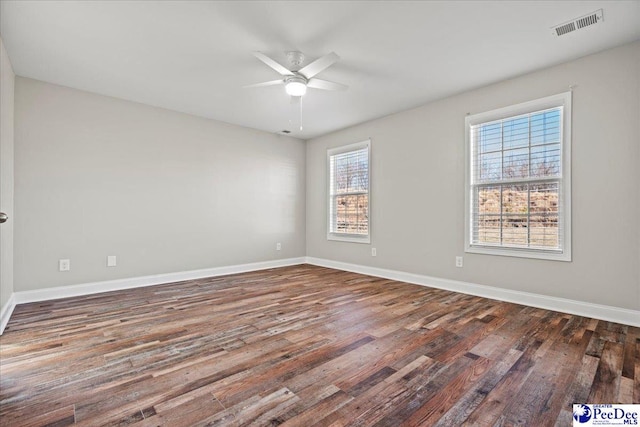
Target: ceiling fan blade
{"x": 271, "y": 83}
{"x": 273, "y": 64}
{"x": 326, "y": 85}
{"x": 319, "y": 64}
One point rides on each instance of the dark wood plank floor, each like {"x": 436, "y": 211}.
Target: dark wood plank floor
{"x": 306, "y": 345}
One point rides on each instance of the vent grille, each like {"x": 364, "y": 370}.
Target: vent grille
{"x": 578, "y": 23}
{"x": 587, "y": 20}
{"x": 566, "y": 28}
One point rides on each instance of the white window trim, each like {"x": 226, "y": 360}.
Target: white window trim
{"x": 560, "y": 100}
{"x": 353, "y": 238}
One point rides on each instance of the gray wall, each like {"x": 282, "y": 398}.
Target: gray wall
{"x": 7, "y": 81}
{"x": 163, "y": 191}
{"x": 417, "y": 192}
{"x": 167, "y": 192}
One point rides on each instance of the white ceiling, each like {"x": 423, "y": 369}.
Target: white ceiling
{"x": 195, "y": 56}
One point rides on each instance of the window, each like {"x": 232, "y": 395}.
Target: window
{"x": 518, "y": 180}
{"x": 349, "y": 173}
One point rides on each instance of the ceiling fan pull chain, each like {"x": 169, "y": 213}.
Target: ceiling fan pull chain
{"x": 300, "y": 113}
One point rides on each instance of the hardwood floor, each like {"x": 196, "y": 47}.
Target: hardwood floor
{"x": 306, "y": 345}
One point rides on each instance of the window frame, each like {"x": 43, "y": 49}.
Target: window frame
{"x": 344, "y": 237}
{"x": 564, "y": 216}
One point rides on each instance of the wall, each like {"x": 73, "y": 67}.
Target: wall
{"x": 7, "y": 81}
{"x": 417, "y": 190}
{"x": 163, "y": 191}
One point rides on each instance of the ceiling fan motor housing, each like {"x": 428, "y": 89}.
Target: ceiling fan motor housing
{"x": 295, "y": 58}
{"x": 297, "y": 78}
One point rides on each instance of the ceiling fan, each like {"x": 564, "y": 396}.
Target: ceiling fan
{"x": 296, "y": 80}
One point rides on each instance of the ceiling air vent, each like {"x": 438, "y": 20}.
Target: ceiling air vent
{"x": 578, "y": 23}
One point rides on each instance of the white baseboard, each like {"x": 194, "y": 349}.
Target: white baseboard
{"x": 596, "y": 311}
{"x": 564, "y": 305}
{"x": 6, "y": 312}
{"x": 22, "y": 297}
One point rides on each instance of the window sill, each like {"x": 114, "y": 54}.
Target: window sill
{"x": 521, "y": 253}
{"x": 353, "y": 238}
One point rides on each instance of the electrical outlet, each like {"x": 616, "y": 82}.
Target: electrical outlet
{"x": 278, "y": 246}
{"x": 374, "y": 252}
{"x": 111, "y": 261}
{"x": 64, "y": 265}
{"x": 459, "y": 262}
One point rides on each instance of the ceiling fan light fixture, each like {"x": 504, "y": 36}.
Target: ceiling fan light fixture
{"x": 296, "y": 86}
{"x": 295, "y": 79}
